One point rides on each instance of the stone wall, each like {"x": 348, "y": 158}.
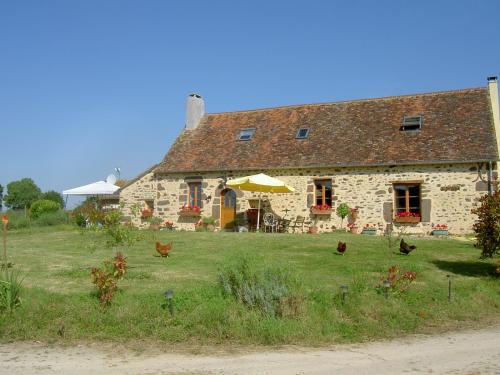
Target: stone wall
{"x": 448, "y": 193}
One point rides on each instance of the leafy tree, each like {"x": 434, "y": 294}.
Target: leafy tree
{"x": 21, "y": 193}
{"x": 487, "y": 226}
{"x": 53, "y": 196}
{"x": 342, "y": 212}
{"x": 1, "y": 197}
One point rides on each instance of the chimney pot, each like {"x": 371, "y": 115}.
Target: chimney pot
{"x": 195, "y": 110}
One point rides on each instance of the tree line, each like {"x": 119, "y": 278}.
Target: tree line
{"x": 23, "y": 193}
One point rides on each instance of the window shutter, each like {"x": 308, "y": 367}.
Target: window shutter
{"x": 388, "y": 211}
{"x": 426, "y": 210}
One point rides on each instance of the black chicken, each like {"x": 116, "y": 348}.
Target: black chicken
{"x": 405, "y": 248}
{"x": 342, "y": 247}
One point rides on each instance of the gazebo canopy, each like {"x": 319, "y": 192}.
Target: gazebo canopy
{"x": 96, "y": 188}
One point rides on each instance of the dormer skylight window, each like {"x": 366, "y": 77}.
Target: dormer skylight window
{"x": 411, "y": 123}
{"x": 302, "y": 133}
{"x": 246, "y": 134}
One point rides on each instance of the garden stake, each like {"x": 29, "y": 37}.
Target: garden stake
{"x": 5, "y": 221}
{"x": 449, "y": 287}
{"x": 387, "y": 285}
{"x": 343, "y": 293}
{"x": 169, "y": 295}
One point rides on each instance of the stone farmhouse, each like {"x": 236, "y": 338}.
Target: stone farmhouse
{"x": 427, "y": 157}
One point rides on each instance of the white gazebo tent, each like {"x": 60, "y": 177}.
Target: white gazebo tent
{"x": 100, "y": 189}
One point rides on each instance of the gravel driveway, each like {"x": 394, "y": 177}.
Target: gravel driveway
{"x": 467, "y": 352}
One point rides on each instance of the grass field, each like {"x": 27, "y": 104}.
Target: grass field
{"x": 58, "y": 303}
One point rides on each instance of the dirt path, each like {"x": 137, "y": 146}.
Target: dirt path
{"x": 468, "y": 352}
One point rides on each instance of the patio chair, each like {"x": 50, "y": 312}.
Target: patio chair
{"x": 298, "y": 224}
{"x": 284, "y": 225}
{"x": 270, "y": 222}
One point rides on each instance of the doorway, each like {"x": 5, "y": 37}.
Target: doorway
{"x": 227, "y": 208}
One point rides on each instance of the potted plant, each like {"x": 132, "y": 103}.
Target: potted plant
{"x": 369, "y": 230}
{"x": 440, "y": 230}
{"x": 190, "y": 211}
{"x": 313, "y": 229}
{"x": 168, "y": 225}
{"x": 154, "y": 222}
{"x": 342, "y": 212}
{"x": 209, "y": 223}
{"x": 353, "y": 228}
{"x": 407, "y": 217}
{"x": 146, "y": 213}
{"x": 321, "y": 209}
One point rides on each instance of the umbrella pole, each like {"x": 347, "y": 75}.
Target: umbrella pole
{"x": 258, "y": 215}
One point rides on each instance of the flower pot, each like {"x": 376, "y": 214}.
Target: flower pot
{"x": 210, "y": 227}
{"x": 189, "y": 213}
{"x": 154, "y": 226}
{"x": 353, "y": 230}
{"x": 440, "y": 232}
{"x": 407, "y": 219}
{"x": 369, "y": 231}
{"x": 312, "y": 230}
{"x": 316, "y": 211}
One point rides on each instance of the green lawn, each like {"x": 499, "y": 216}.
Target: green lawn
{"x": 58, "y": 292}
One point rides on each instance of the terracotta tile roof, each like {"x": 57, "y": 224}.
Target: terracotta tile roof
{"x": 457, "y": 126}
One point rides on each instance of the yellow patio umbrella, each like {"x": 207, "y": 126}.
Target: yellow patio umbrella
{"x": 260, "y": 183}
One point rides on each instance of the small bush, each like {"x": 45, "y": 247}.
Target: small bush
{"x": 487, "y": 226}
{"x": 10, "y": 288}
{"x": 399, "y": 281}
{"x": 17, "y": 220}
{"x": 106, "y": 279}
{"x": 43, "y": 206}
{"x": 272, "y": 291}
{"x": 52, "y": 218}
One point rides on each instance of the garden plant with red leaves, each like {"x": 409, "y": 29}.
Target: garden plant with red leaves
{"x": 190, "y": 208}
{"x": 487, "y": 226}
{"x": 440, "y": 227}
{"x": 407, "y": 214}
{"x": 321, "y": 207}
{"x": 106, "y": 279}
{"x": 399, "y": 281}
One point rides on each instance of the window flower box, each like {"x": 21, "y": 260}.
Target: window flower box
{"x": 190, "y": 211}
{"x": 407, "y": 218}
{"x": 369, "y": 230}
{"x": 321, "y": 210}
{"x": 440, "y": 230}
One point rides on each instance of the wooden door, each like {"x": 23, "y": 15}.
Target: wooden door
{"x": 227, "y": 208}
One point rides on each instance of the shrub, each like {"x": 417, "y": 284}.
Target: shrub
{"x": 10, "y": 288}
{"x": 106, "y": 279}
{"x": 52, "y": 218}
{"x": 43, "y": 206}
{"x": 17, "y": 220}
{"x": 487, "y": 226}
{"x": 399, "y": 281}
{"x": 272, "y": 291}
{"x": 54, "y": 196}
{"x": 342, "y": 212}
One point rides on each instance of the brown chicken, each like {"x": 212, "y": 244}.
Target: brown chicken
{"x": 405, "y": 248}
{"x": 342, "y": 247}
{"x": 164, "y": 250}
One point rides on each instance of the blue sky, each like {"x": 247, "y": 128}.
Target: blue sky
{"x": 86, "y": 86}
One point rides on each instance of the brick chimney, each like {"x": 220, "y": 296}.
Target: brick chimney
{"x": 493, "y": 89}
{"x": 195, "y": 110}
